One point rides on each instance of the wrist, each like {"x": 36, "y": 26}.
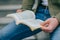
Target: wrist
{"x": 56, "y": 19}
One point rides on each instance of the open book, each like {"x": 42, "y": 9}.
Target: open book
{"x": 28, "y": 18}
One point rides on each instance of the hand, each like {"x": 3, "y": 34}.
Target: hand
{"x": 49, "y": 25}
{"x": 19, "y": 11}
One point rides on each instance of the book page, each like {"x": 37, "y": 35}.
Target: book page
{"x": 28, "y": 18}
{"x": 33, "y": 24}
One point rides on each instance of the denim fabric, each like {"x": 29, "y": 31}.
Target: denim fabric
{"x": 42, "y": 13}
{"x": 14, "y": 32}
{"x": 55, "y": 35}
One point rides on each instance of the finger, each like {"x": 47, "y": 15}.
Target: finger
{"x": 19, "y": 11}
{"x": 44, "y": 23}
{"x": 52, "y": 26}
{"x": 44, "y": 29}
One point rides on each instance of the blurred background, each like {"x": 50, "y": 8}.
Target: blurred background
{"x": 9, "y": 6}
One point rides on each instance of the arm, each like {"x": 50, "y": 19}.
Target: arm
{"x": 58, "y": 17}
{"x": 55, "y": 12}
{"x": 27, "y": 4}
{"x": 54, "y": 8}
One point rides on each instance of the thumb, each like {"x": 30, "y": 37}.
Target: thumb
{"x": 45, "y": 23}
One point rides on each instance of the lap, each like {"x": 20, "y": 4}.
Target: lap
{"x": 13, "y": 31}
{"x": 55, "y": 35}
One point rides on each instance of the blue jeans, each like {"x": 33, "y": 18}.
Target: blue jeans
{"x": 55, "y": 35}
{"x": 18, "y": 32}
{"x": 14, "y": 32}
